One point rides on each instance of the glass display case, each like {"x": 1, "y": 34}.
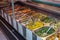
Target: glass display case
{"x": 44, "y": 5}
{"x": 49, "y": 2}
{"x": 34, "y": 24}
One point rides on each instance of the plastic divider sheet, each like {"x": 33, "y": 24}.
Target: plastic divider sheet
{"x": 5, "y": 16}
{"x": 2, "y": 13}
{"x": 28, "y": 34}
{"x": 38, "y": 38}
{"x": 34, "y": 37}
{"x": 24, "y": 32}
{"x": 9, "y": 20}
{"x": 20, "y": 29}
{"x": 14, "y": 23}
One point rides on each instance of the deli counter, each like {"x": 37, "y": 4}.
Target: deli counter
{"x": 33, "y": 23}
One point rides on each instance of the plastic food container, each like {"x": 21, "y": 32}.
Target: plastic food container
{"x": 48, "y": 20}
{"x": 41, "y": 32}
{"x": 33, "y": 26}
{"x": 56, "y": 25}
{"x": 51, "y": 37}
{"x": 58, "y": 36}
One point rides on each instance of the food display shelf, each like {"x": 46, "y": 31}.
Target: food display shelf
{"x": 44, "y": 7}
{"x": 48, "y": 2}
{"x": 31, "y": 23}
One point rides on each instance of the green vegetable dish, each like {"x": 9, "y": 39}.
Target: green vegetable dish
{"x": 48, "y": 20}
{"x": 40, "y": 32}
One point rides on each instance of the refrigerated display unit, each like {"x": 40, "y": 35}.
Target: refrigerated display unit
{"x": 7, "y": 32}
{"x": 33, "y": 23}
{"x": 48, "y": 2}
{"x": 43, "y": 6}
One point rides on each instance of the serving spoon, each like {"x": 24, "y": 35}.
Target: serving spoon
{"x": 52, "y": 24}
